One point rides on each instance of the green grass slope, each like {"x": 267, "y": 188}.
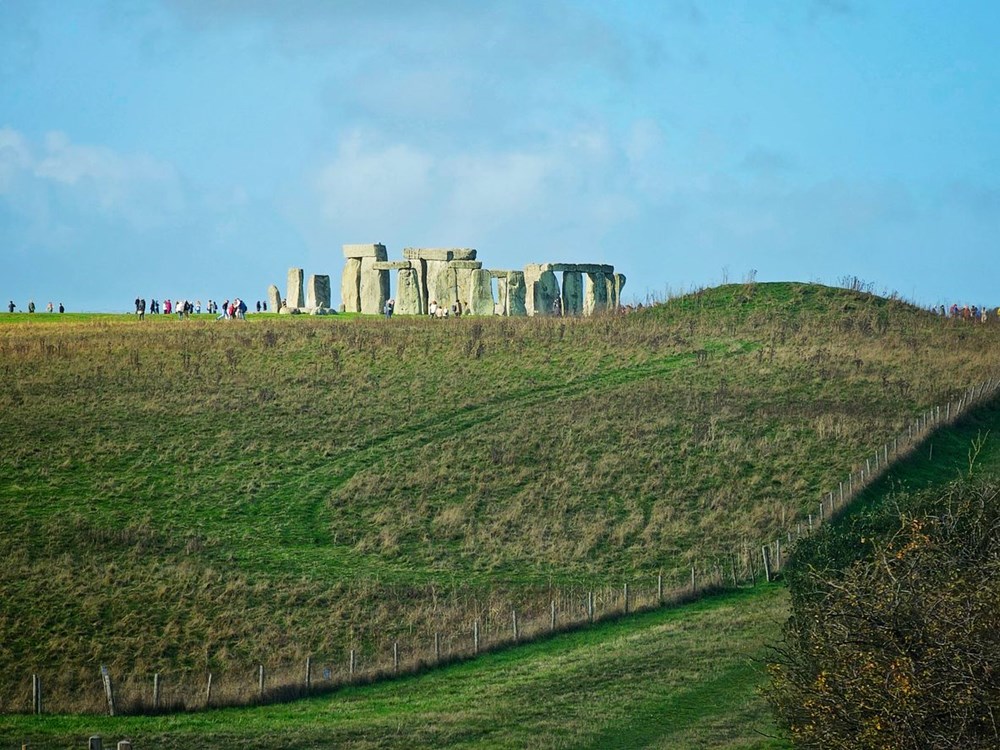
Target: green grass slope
{"x": 185, "y": 496}
{"x": 654, "y": 680}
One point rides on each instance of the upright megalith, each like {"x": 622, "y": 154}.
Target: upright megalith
{"x": 443, "y": 274}
{"x": 273, "y": 298}
{"x": 372, "y": 283}
{"x": 481, "y": 292}
{"x": 516, "y": 294}
{"x": 500, "y": 307}
{"x": 295, "y": 298}
{"x": 572, "y": 293}
{"x": 619, "y": 285}
{"x": 541, "y": 289}
{"x": 318, "y": 292}
{"x": 350, "y": 285}
{"x": 595, "y": 293}
{"x": 408, "y": 292}
{"x": 463, "y": 270}
{"x": 374, "y": 287}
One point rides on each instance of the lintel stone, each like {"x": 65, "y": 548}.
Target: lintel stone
{"x": 471, "y": 265}
{"x": 391, "y": 265}
{"x": 371, "y": 250}
{"x": 439, "y": 253}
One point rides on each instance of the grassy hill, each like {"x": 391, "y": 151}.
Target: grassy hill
{"x": 184, "y": 496}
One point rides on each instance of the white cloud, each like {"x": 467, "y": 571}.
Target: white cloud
{"x": 367, "y": 186}
{"x": 87, "y": 180}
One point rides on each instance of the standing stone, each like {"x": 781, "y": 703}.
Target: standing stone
{"x": 408, "y": 292}
{"x": 374, "y": 287}
{"x": 318, "y": 292}
{"x": 609, "y": 283}
{"x": 595, "y": 293}
{"x": 619, "y": 285}
{"x": 273, "y": 298}
{"x": 541, "y": 289}
{"x": 481, "y": 293}
{"x": 501, "y": 305}
{"x": 350, "y": 285}
{"x": 440, "y": 282}
{"x": 572, "y": 293}
{"x": 516, "y": 293}
{"x": 295, "y": 298}
{"x": 463, "y": 286}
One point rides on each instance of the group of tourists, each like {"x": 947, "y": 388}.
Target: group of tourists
{"x": 234, "y": 309}
{"x": 444, "y": 311}
{"x": 31, "y": 307}
{"x": 972, "y": 313}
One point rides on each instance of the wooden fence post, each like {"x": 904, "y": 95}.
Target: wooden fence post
{"x": 208, "y": 691}
{"x": 767, "y": 562}
{"x": 260, "y": 680}
{"x": 109, "y": 691}
{"x": 475, "y": 636}
{"x": 590, "y": 606}
{"x": 659, "y": 588}
{"x": 513, "y": 615}
{"x": 625, "y": 594}
{"x": 552, "y": 625}
{"x": 309, "y": 673}
{"x": 156, "y": 691}
{"x": 395, "y": 656}
{"x": 36, "y": 694}
{"x": 693, "y": 581}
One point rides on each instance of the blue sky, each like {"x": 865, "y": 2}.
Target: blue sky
{"x": 199, "y": 148}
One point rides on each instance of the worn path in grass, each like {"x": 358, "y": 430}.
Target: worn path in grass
{"x": 674, "y": 678}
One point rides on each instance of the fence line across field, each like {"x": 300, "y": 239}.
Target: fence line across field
{"x": 568, "y": 609}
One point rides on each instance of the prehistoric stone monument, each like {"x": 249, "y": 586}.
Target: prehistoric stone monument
{"x": 450, "y": 275}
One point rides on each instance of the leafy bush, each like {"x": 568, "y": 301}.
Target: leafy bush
{"x": 898, "y": 649}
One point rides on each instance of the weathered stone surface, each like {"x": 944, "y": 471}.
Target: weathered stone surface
{"x": 609, "y": 283}
{"x": 322, "y": 311}
{"x": 440, "y": 282}
{"x": 499, "y": 274}
{"x": 619, "y": 284}
{"x": 350, "y": 285}
{"x": 572, "y": 293}
{"x": 516, "y": 293}
{"x": 295, "y": 298}
{"x": 439, "y": 253}
{"x": 541, "y": 290}
{"x": 595, "y": 293}
{"x": 392, "y": 265}
{"x": 408, "y": 292}
{"x": 318, "y": 291}
{"x": 374, "y": 287}
{"x": 371, "y": 250}
{"x": 273, "y": 298}
{"x": 500, "y": 308}
{"x": 463, "y": 284}
{"x": 481, "y": 293}
{"x": 469, "y": 265}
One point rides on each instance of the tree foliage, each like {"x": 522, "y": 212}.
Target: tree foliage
{"x": 899, "y": 649}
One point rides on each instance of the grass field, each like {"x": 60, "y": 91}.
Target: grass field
{"x": 654, "y": 680}
{"x": 185, "y": 496}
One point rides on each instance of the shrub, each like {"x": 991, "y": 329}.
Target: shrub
{"x": 899, "y": 649}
